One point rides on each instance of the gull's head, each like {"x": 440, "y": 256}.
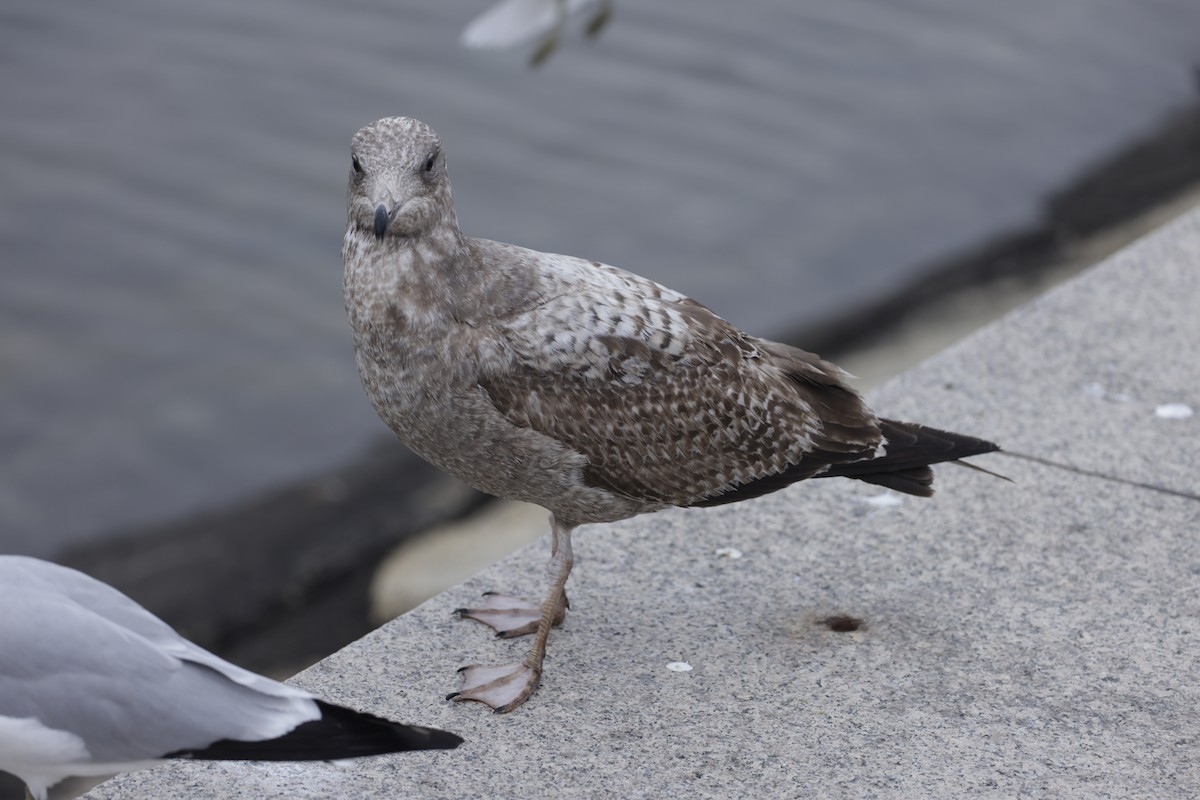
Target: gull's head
{"x": 398, "y": 182}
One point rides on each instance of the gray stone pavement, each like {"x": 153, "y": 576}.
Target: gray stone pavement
{"x": 1037, "y": 638}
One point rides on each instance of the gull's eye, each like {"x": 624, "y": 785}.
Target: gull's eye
{"x": 430, "y": 163}
{"x": 357, "y": 166}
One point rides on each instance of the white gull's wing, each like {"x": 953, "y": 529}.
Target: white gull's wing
{"x": 114, "y": 606}
{"x": 122, "y": 683}
{"x": 512, "y": 23}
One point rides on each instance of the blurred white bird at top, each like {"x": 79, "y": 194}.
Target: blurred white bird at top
{"x": 515, "y": 23}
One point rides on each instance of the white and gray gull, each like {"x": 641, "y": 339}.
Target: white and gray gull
{"x": 586, "y": 389}
{"x": 91, "y": 683}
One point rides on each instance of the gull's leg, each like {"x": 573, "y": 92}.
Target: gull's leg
{"x": 506, "y": 687}
{"x": 600, "y": 18}
{"x": 511, "y": 617}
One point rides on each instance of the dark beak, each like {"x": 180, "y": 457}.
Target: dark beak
{"x": 382, "y": 220}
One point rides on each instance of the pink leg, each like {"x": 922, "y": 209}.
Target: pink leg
{"x": 506, "y": 687}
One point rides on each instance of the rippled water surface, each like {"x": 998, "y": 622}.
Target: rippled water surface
{"x": 171, "y": 189}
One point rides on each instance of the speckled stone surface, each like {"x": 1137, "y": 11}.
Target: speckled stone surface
{"x": 1040, "y": 638}
{"x": 1076, "y": 375}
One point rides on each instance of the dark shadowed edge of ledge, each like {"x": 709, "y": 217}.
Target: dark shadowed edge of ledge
{"x": 281, "y": 580}
{"x": 1147, "y": 174}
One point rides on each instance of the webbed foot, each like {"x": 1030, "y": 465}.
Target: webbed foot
{"x": 503, "y": 688}
{"x": 509, "y": 616}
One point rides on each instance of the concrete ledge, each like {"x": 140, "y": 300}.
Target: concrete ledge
{"x": 1033, "y": 639}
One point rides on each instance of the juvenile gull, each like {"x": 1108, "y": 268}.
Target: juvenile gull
{"x": 91, "y": 683}
{"x": 591, "y": 391}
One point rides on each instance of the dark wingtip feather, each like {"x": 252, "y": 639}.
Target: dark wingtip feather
{"x": 910, "y": 449}
{"x": 904, "y": 467}
{"x": 339, "y": 733}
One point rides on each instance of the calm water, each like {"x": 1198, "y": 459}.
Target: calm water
{"x": 171, "y": 188}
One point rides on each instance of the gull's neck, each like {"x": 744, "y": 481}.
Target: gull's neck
{"x": 416, "y": 281}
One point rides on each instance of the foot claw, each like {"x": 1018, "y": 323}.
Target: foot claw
{"x": 502, "y": 688}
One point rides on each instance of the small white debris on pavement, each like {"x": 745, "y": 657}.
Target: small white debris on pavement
{"x": 1173, "y": 411}
{"x": 679, "y": 666}
{"x": 728, "y": 552}
{"x": 885, "y": 500}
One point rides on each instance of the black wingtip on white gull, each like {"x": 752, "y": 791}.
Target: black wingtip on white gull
{"x": 578, "y": 386}
{"x": 340, "y": 733}
{"x": 91, "y": 683}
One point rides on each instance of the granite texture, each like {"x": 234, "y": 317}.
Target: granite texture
{"x": 1036, "y": 638}
{"x": 1076, "y": 375}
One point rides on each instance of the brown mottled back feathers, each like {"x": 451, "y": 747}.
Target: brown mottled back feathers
{"x": 683, "y": 408}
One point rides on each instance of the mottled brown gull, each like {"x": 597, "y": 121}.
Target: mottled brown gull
{"x": 588, "y": 390}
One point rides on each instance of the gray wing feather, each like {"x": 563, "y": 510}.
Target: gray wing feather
{"x": 80, "y": 656}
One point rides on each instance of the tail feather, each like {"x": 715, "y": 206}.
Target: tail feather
{"x": 339, "y": 733}
{"x": 908, "y": 451}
